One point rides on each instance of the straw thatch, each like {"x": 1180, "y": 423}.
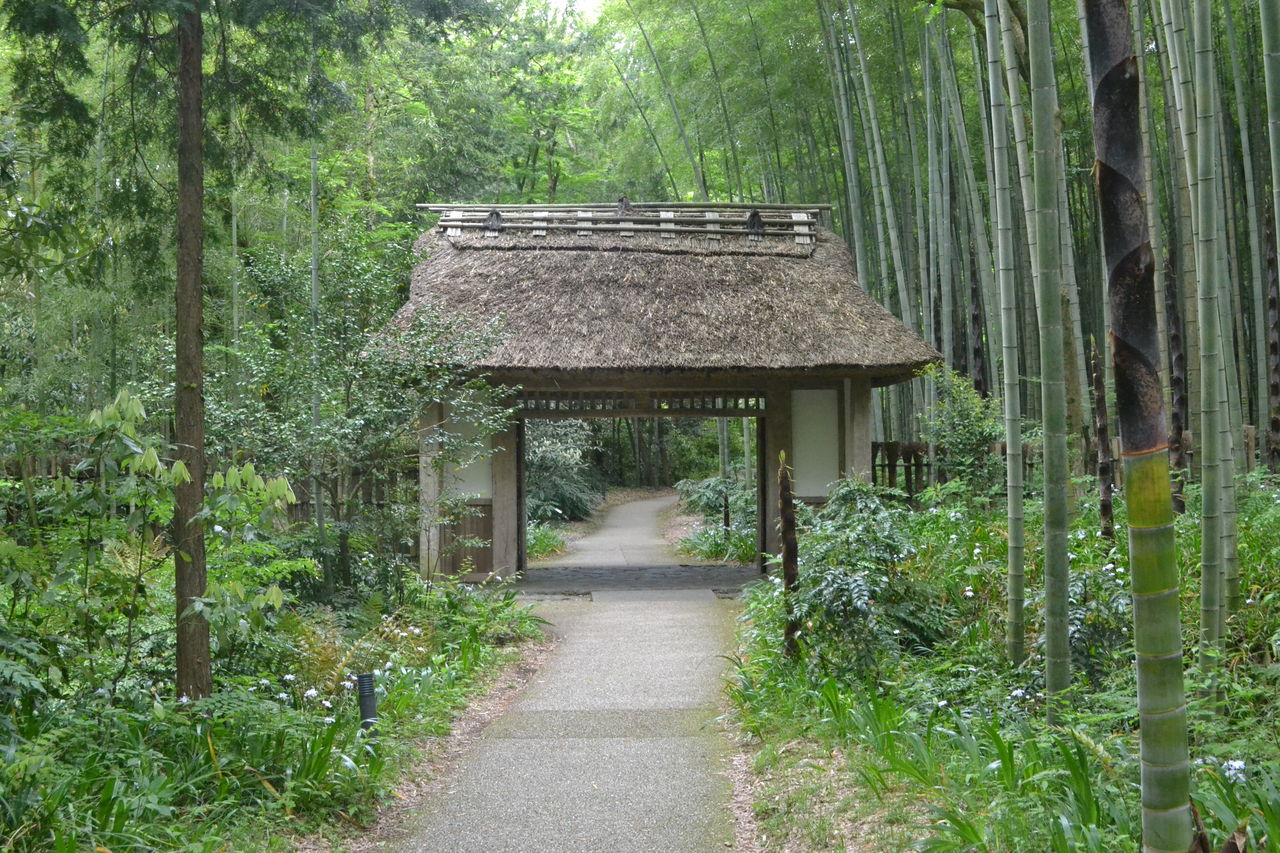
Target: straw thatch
{"x": 603, "y": 301}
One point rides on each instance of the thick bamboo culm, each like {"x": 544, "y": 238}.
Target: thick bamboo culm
{"x": 1166, "y": 807}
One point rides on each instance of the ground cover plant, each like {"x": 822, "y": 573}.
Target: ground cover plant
{"x": 903, "y": 710}
{"x": 97, "y": 751}
{"x": 713, "y": 499}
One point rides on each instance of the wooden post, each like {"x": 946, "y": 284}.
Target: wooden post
{"x": 857, "y": 429}
{"x": 429, "y": 489}
{"x": 506, "y": 502}
{"x": 777, "y": 410}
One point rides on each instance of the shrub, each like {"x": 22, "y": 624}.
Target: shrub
{"x": 964, "y": 424}
{"x": 559, "y": 480}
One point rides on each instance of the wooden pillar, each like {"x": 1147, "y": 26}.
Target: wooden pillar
{"x": 430, "y": 486}
{"x": 506, "y": 502}
{"x": 777, "y": 412}
{"x": 762, "y": 514}
{"x": 857, "y": 428}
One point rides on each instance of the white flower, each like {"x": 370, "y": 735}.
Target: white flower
{"x": 1248, "y": 601}
{"x": 282, "y": 696}
{"x": 942, "y": 703}
{"x": 968, "y": 592}
{"x": 1018, "y": 693}
{"x": 329, "y": 721}
{"x": 182, "y": 700}
{"x": 290, "y": 677}
{"x": 349, "y": 685}
{"x": 415, "y": 631}
{"x": 897, "y": 631}
{"x": 325, "y": 703}
{"x": 311, "y": 693}
{"x": 1234, "y": 770}
{"x": 263, "y": 682}
{"x": 1080, "y": 534}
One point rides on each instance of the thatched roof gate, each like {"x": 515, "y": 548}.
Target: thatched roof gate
{"x": 662, "y": 310}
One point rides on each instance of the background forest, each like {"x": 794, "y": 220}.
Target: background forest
{"x": 326, "y": 123}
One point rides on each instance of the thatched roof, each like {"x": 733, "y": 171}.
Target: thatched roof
{"x": 754, "y": 296}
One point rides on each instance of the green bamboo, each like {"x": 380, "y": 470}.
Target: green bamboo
{"x": 1045, "y": 157}
{"x": 1253, "y": 218}
{"x": 1015, "y": 639}
{"x": 848, "y": 144}
{"x": 1166, "y": 776}
{"x": 1179, "y": 107}
{"x": 698, "y": 179}
{"x": 1211, "y": 375}
{"x": 880, "y": 170}
{"x": 1270, "y": 13}
{"x": 731, "y": 135}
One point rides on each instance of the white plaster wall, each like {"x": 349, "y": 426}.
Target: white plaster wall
{"x": 815, "y": 441}
{"x": 474, "y": 480}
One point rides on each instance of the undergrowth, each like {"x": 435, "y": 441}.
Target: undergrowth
{"x": 903, "y": 725}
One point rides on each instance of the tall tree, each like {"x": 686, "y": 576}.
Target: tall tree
{"x": 195, "y": 678}
{"x": 1166, "y": 777}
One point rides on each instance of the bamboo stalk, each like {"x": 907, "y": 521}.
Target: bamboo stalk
{"x": 1166, "y": 776}
{"x": 1015, "y": 639}
{"x": 1211, "y": 376}
{"x": 1046, "y": 162}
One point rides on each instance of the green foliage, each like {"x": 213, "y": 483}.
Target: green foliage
{"x": 944, "y": 727}
{"x": 965, "y": 425}
{"x": 543, "y": 540}
{"x": 559, "y": 480}
{"x": 711, "y": 539}
{"x": 94, "y": 749}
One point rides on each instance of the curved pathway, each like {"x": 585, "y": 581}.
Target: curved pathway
{"x": 628, "y": 552}
{"x": 613, "y": 748}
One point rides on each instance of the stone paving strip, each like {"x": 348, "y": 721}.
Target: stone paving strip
{"x": 613, "y": 748}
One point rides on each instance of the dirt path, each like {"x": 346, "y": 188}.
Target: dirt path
{"x": 629, "y": 536}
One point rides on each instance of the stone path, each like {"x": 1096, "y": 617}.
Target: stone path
{"x": 613, "y": 748}
{"x": 628, "y": 552}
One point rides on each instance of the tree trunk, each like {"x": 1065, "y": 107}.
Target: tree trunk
{"x": 790, "y": 556}
{"x": 194, "y": 674}
{"x": 1166, "y": 777}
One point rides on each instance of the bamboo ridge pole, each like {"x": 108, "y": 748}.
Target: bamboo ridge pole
{"x": 1166, "y": 777}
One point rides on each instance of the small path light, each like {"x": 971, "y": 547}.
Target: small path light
{"x": 368, "y": 701}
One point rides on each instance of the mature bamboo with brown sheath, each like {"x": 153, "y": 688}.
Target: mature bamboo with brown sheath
{"x": 1166, "y": 805}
